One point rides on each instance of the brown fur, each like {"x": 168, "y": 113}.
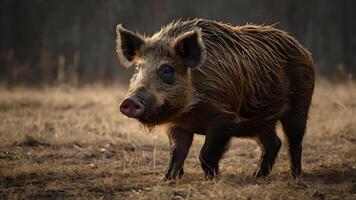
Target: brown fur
{"x": 245, "y": 66}
{"x": 247, "y": 78}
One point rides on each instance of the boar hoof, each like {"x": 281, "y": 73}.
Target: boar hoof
{"x": 210, "y": 172}
{"x": 173, "y": 174}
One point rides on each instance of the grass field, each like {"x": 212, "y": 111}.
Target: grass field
{"x": 73, "y": 143}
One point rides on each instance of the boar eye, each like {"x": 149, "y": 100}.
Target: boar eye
{"x": 166, "y": 74}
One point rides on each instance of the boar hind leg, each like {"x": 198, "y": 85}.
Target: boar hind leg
{"x": 180, "y": 141}
{"x": 270, "y": 145}
{"x": 294, "y": 128}
{"x": 216, "y": 143}
{"x": 294, "y": 120}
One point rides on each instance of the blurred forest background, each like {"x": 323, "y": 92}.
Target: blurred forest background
{"x": 73, "y": 41}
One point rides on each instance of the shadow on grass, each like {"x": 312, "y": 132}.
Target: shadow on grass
{"x": 329, "y": 175}
{"x": 334, "y": 175}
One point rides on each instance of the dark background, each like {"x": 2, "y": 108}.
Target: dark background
{"x": 73, "y": 41}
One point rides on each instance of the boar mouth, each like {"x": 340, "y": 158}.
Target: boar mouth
{"x": 158, "y": 115}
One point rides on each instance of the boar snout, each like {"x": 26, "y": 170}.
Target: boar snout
{"x": 132, "y": 107}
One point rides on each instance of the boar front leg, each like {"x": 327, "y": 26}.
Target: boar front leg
{"x": 216, "y": 143}
{"x": 180, "y": 141}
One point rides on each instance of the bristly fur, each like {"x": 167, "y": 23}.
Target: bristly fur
{"x": 247, "y": 70}
{"x": 228, "y": 81}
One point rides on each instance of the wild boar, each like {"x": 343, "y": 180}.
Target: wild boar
{"x": 206, "y": 77}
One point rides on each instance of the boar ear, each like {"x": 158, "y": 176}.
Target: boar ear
{"x": 190, "y": 48}
{"x": 128, "y": 44}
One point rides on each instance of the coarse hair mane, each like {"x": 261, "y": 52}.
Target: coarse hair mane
{"x": 243, "y": 64}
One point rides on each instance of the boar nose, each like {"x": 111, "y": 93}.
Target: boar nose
{"x": 132, "y": 107}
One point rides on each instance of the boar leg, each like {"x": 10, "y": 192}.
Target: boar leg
{"x": 216, "y": 143}
{"x": 294, "y": 128}
{"x": 270, "y": 145}
{"x": 180, "y": 141}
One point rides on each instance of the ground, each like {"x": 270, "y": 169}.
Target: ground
{"x": 71, "y": 143}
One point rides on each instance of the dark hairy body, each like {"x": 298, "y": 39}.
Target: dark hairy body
{"x": 251, "y": 78}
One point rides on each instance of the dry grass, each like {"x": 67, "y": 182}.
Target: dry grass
{"x": 70, "y": 143}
